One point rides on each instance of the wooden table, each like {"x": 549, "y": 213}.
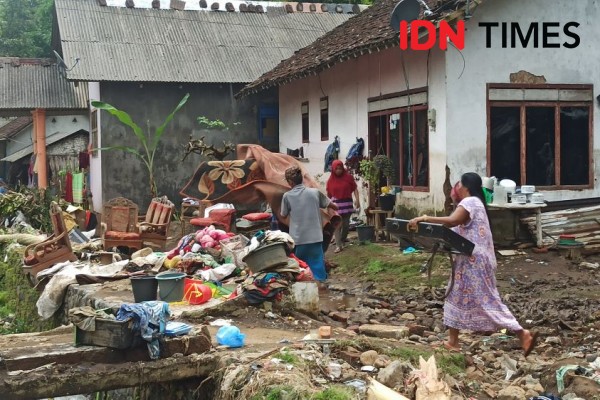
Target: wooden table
{"x": 374, "y": 217}
{"x": 537, "y": 207}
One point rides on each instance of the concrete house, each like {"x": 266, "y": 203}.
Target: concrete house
{"x": 47, "y": 124}
{"x": 505, "y": 107}
{"x": 144, "y": 56}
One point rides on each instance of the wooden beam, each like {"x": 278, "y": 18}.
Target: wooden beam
{"x": 56, "y": 380}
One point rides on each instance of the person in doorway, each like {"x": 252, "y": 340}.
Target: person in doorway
{"x": 303, "y": 206}
{"x": 340, "y": 188}
{"x": 474, "y": 303}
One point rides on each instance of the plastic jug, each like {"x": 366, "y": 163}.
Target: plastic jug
{"x": 499, "y": 195}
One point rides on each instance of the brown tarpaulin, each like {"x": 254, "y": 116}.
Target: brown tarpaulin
{"x": 270, "y": 187}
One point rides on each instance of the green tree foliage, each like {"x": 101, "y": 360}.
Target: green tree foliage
{"x": 25, "y": 28}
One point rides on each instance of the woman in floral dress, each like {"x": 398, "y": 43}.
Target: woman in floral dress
{"x": 474, "y": 303}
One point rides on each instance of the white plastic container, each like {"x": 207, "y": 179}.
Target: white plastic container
{"x": 306, "y": 296}
{"x": 537, "y": 198}
{"x": 499, "y": 195}
{"x": 518, "y": 198}
{"x": 509, "y": 185}
{"x": 527, "y": 189}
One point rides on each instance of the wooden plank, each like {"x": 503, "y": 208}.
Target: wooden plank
{"x": 58, "y": 380}
{"x": 24, "y": 354}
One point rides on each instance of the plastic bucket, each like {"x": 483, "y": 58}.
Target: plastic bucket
{"x": 387, "y": 202}
{"x": 366, "y": 233}
{"x": 144, "y": 288}
{"x": 196, "y": 292}
{"x": 170, "y": 286}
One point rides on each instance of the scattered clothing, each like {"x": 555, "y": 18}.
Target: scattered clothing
{"x": 149, "y": 319}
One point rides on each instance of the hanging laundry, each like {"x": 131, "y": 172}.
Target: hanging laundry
{"x": 78, "y": 188}
{"x": 69, "y": 187}
{"x": 332, "y": 153}
{"x": 84, "y": 160}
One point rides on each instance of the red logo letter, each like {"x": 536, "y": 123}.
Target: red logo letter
{"x": 414, "y": 34}
{"x": 458, "y": 37}
{"x": 403, "y": 35}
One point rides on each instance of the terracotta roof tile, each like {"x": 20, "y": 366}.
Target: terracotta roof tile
{"x": 366, "y": 32}
{"x": 15, "y": 126}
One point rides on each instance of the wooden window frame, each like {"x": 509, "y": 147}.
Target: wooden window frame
{"x": 403, "y": 111}
{"x": 523, "y": 130}
{"x": 324, "y": 113}
{"x": 305, "y": 134}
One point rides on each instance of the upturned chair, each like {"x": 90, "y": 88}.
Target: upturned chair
{"x": 55, "y": 249}
{"x": 154, "y": 228}
{"x": 119, "y": 224}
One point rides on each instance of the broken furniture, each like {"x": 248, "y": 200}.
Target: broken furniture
{"x": 53, "y": 250}
{"x": 190, "y": 211}
{"x": 222, "y": 218}
{"x": 154, "y": 229}
{"x": 251, "y": 223}
{"x": 119, "y": 224}
{"x": 374, "y": 217}
{"x": 536, "y": 207}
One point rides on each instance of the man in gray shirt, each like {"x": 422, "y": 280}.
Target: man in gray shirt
{"x": 303, "y": 205}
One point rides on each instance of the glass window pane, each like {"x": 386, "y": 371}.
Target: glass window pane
{"x": 505, "y": 132}
{"x": 422, "y": 166}
{"x": 540, "y": 158}
{"x": 324, "y": 124}
{"x": 377, "y": 132}
{"x": 574, "y": 145}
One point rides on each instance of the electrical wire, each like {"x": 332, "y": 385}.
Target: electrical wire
{"x": 409, "y": 165}
{"x": 463, "y": 59}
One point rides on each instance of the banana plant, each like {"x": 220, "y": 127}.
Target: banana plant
{"x": 149, "y": 141}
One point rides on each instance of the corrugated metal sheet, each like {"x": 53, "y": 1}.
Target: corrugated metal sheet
{"x": 123, "y": 44}
{"x": 36, "y": 83}
{"x": 583, "y": 223}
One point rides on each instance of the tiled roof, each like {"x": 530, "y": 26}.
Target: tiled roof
{"x": 28, "y": 83}
{"x": 189, "y": 44}
{"x": 15, "y": 126}
{"x": 364, "y": 33}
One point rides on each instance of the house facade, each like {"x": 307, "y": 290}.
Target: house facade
{"x": 47, "y": 124}
{"x": 144, "y": 58}
{"x": 524, "y": 113}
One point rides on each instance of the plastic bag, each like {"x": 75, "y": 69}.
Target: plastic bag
{"x": 230, "y": 336}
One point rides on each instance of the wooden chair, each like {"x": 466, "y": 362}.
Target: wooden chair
{"x": 154, "y": 229}
{"x": 53, "y": 250}
{"x": 119, "y": 224}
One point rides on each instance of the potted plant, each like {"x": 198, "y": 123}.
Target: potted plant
{"x": 385, "y": 167}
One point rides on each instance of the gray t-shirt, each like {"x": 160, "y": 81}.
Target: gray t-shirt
{"x": 303, "y": 205}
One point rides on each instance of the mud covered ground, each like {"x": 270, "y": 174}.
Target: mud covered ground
{"x": 377, "y": 285}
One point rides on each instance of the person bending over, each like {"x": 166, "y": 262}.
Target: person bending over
{"x": 303, "y": 206}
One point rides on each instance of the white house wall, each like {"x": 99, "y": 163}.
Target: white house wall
{"x": 55, "y": 125}
{"x": 466, "y": 109}
{"x": 348, "y": 86}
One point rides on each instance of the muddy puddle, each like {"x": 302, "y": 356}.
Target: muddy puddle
{"x": 336, "y": 300}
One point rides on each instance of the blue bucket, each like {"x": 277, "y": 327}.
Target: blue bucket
{"x": 170, "y": 286}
